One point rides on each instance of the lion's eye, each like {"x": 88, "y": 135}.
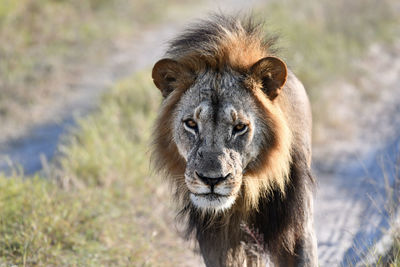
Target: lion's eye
{"x": 191, "y": 124}
{"x": 239, "y": 128}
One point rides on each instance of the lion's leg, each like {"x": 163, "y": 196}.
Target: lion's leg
{"x": 212, "y": 259}
{"x": 306, "y": 247}
{"x": 305, "y": 251}
{"x": 305, "y": 254}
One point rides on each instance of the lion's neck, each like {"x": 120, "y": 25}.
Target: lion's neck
{"x": 242, "y": 235}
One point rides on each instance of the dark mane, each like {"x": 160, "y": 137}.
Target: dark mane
{"x": 275, "y": 193}
{"x": 223, "y": 40}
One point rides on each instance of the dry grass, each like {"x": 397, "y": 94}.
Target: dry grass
{"x": 51, "y": 43}
{"x": 104, "y": 209}
{"x": 392, "y": 257}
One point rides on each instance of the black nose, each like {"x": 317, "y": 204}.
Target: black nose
{"x": 212, "y": 181}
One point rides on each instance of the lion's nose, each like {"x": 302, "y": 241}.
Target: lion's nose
{"x": 212, "y": 181}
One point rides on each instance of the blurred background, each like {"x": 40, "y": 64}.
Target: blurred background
{"x": 77, "y": 105}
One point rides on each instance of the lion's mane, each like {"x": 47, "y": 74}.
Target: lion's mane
{"x": 274, "y": 186}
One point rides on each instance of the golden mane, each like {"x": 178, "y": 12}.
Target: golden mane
{"x": 222, "y": 42}
{"x": 275, "y": 196}
{"x": 219, "y": 44}
{"x": 273, "y": 166}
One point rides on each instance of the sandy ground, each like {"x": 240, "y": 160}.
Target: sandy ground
{"x": 356, "y": 159}
{"x": 364, "y": 126}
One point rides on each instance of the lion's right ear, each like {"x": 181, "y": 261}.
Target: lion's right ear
{"x": 167, "y": 73}
{"x": 272, "y": 72}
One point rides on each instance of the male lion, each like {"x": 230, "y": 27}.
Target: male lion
{"x": 234, "y": 136}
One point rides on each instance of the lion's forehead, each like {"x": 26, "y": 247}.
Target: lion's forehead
{"x": 217, "y": 97}
{"x": 226, "y": 112}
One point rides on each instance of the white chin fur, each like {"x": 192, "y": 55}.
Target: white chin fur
{"x": 215, "y": 204}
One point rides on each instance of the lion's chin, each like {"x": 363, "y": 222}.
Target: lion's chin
{"x": 212, "y": 202}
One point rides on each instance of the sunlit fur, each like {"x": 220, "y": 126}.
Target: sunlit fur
{"x": 238, "y": 47}
{"x": 276, "y": 187}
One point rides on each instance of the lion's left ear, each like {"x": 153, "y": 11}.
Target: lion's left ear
{"x": 272, "y": 72}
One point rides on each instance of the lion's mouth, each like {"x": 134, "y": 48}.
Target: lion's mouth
{"x": 211, "y": 195}
{"x": 212, "y": 201}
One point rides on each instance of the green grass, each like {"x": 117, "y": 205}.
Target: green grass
{"x": 321, "y": 40}
{"x": 113, "y": 143}
{"x": 392, "y": 256}
{"x": 43, "y": 225}
{"x": 104, "y": 207}
{"x": 395, "y": 253}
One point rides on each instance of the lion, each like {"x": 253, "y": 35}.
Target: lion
{"x": 233, "y": 135}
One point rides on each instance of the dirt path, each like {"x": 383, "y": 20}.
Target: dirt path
{"x": 41, "y": 143}
{"x": 357, "y": 160}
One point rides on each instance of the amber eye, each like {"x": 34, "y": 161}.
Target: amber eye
{"x": 239, "y": 128}
{"x": 191, "y": 124}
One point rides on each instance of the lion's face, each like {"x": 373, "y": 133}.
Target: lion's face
{"x": 223, "y": 125}
{"x": 217, "y": 136}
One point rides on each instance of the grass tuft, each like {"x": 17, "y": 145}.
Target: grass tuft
{"x": 104, "y": 209}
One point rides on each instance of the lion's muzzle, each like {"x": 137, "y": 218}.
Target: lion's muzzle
{"x": 213, "y": 179}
